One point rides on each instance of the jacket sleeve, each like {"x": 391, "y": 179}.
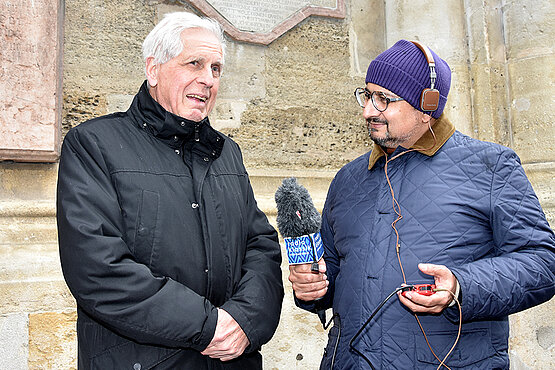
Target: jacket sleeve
{"x": 331, "y": 258}
{"x": 521, "y": 272}
{"x": 256, "y": 303}
{"x": 100, "y": 270}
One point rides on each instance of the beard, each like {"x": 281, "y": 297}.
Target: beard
{"x": 388, "y": 140}
{"x": 385, "y": 142}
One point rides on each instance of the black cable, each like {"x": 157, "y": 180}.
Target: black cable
{"x": 404, "y": 287}
{"x": 326, "y": 326}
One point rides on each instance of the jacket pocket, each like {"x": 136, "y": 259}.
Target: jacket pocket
{"x": 132, "y": 356}
{"x": 473, "y": 346}
{"x": 145, "y": 229}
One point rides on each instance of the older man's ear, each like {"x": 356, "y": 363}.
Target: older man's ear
{"x": 151, "y": 72}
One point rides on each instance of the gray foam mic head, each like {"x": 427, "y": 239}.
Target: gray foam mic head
{"x": 296, "y": 213}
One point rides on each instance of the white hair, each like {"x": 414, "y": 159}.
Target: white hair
{"x": 164, "y": 41}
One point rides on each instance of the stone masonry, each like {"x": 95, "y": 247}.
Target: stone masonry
{"x": 290, "y": 106}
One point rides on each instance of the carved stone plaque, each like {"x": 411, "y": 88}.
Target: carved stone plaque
{"x": 30, "y": 79}
{"x": 263, "y": 21}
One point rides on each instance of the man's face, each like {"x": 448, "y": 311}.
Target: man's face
{"x": 399, "y": 124}
{"x": 187, "y": 85}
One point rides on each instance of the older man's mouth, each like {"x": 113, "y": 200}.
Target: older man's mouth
{"x": 197, "y": 97}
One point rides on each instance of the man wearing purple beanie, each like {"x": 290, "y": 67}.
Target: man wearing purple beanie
{"x": 447, "y": 225}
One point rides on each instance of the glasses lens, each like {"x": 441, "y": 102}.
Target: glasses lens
{"x": 379, "y": 100}
{"x": 360, "y": 95}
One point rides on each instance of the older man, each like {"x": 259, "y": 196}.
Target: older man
{"x": 432, "y": 215}
{"x": 172, "y": 264}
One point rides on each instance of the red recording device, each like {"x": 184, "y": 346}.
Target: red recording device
{"x": 424, "y": 289}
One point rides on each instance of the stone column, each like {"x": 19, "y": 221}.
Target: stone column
{"x": 528, "y": 29}
{"x": 488, "y": 71}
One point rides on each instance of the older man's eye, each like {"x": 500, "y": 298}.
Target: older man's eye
{"x": 216, "y": 71}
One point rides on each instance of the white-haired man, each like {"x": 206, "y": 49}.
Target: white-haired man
{"x": 172, "y": 264}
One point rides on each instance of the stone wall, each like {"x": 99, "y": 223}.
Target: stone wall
{"x": 290, "y": 106}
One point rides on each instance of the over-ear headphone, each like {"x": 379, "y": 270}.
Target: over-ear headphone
{"x": 429, "y": 98}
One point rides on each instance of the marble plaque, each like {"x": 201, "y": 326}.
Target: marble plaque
{"x": 30, "y": 79}
{"x": 262, "y": 21}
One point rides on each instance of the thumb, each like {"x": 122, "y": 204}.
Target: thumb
{"x": 431, "y": 269}
{"x": 322, "y": 266}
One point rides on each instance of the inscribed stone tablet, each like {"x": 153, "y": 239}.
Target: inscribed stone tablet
{"x": 29, "y": 79}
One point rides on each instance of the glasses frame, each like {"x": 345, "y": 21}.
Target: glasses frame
{"x": 370, "y": 97}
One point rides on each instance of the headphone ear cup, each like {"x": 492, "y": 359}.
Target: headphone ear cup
{"x": 429, "y": 100}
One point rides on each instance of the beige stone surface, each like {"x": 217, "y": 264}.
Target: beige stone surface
{"x": 32, "y": 295}
{"x": 407, "y": 19}
{"x": 533, "y": 122}
{"x": 459, "y": 102}
{"x": 308, "y": 119}
{"x": 490, "y": 103}
{"x": 290, "y": 106}
{"x": 529, "y": 26}
{"x": 29, "y": 75}
{"x": 532, "y": 339}
{"x": 27, "y": 181}
{"x": 484, "y": 20}
{"x": 366, "y": 34}
{"x": 52, "y": 340}
{"x": 14, "y": 341}
{"x": 103, "y": 40}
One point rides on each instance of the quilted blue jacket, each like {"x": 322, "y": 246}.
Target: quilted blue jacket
{"x": 466, "y": 204}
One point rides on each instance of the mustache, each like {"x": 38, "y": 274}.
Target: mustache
{"x": 377, "y": 120}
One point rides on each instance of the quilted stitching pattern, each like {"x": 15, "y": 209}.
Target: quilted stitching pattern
{"x": 464, "y": 208}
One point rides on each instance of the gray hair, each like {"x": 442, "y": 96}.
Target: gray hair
{"x": 164, "y": 41}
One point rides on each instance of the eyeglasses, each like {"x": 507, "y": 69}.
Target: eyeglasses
{"x": 379, "y": 100}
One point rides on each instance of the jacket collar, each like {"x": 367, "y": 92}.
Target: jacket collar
{"x": 443, "y": 130}
{"x": 174, "y": 130}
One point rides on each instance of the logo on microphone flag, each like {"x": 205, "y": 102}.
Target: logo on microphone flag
{"x": 304, "y": 249}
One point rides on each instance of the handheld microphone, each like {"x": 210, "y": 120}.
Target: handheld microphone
{"x": 299, "y": 223}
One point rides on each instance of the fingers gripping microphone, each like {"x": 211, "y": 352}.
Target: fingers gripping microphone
{"x": 299, "y": 223}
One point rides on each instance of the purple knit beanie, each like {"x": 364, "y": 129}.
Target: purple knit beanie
{"x": 403, "y": 70}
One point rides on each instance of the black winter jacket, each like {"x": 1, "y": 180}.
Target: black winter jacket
{"x": 157, "y": 227}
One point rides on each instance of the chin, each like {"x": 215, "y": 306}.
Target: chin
{"x": 193, "y": 116}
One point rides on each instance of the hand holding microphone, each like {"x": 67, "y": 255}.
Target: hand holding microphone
{"x": 299, "y": 223}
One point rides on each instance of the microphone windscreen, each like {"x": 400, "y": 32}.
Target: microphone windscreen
{"x": 296, "y": 213}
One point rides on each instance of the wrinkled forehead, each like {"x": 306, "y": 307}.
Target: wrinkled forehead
{"x": 201, "y": 41}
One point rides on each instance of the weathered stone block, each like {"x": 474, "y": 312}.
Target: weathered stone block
{"x": 103, "y": 40}
{"x": 244, "y": 72}
{"x": 529, "y": 28}
{"x": 27, "y": 230}
{"x": 26, "y": 262}
{"x": 484, "y": 21}
{"x": 366, "y": 34}
{"x": 531, "y": 339}
{"x": 532, "y": 120}
{"x": 294, "y": 78}
{"x": 489, "y": 103}
{"x": 34, "y": 295}
{"x": 52, "y": 340}
{"x": 458, "y": 108}
{"x": 27, "y": 181}
{"x": 14, "y": 341}
{"x": 413, "y": 20}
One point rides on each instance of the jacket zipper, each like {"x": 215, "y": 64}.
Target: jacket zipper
{"x": 197, "y": 137}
